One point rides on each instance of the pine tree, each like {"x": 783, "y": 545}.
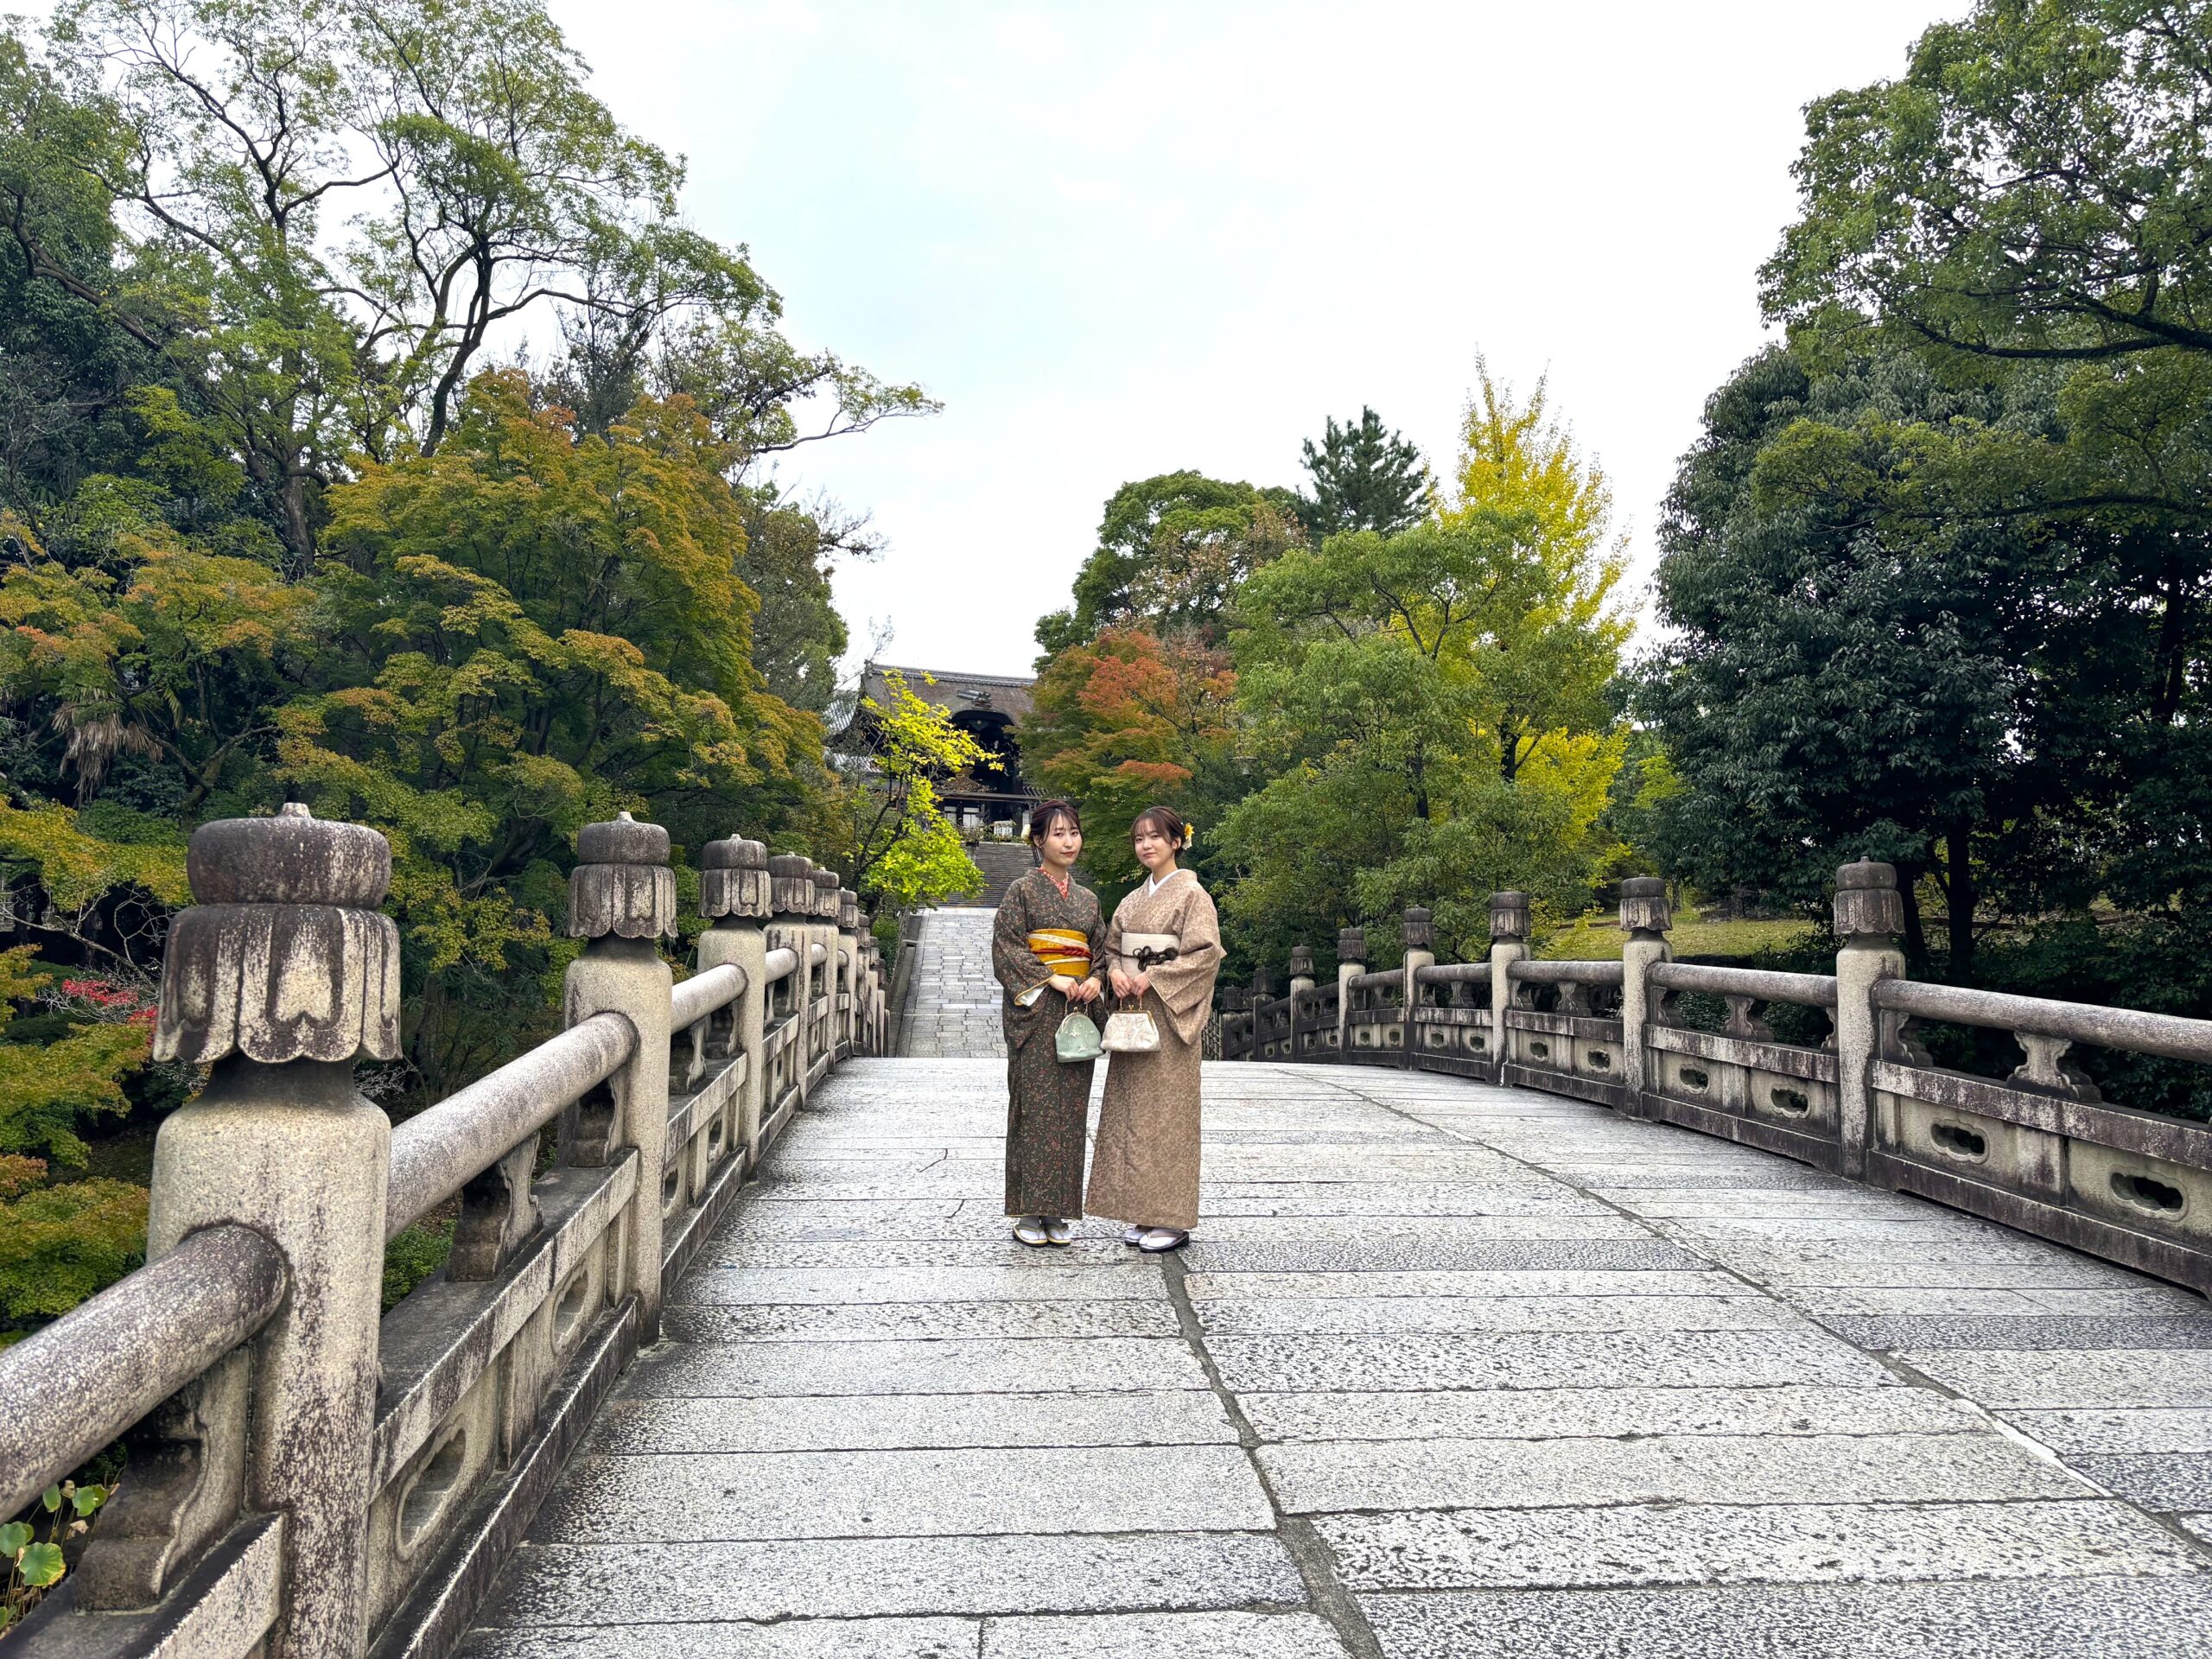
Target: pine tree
{"x": 1364, "y": 478}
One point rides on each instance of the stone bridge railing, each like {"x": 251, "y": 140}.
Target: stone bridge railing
{"x": 1851, "y": 1091}
{"x": 308, "y": 1480}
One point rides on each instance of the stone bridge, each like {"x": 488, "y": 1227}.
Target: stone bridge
{"x": 1530, "y": 1314}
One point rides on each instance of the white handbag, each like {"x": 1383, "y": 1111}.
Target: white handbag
{"x": 1129, "y": 1031}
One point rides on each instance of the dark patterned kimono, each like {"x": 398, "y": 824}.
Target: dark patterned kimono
{"x": 1039, "y": 935}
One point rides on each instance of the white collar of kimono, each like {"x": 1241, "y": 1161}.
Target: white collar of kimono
{"x": 1153, "y": 883}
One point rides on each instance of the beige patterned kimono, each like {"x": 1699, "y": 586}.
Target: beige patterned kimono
{"x": 1144, "y": 1166}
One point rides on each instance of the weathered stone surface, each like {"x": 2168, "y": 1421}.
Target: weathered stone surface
{"x": 966, "y": 1493}
{"x": 285, "y": 957}
{"x": 1447, "y": 1315}
{"x": 1471, "y": 1284}
{"x": 734, "y": 879}
{"x": 2046, "y": 1381}
{"x": 1287, "y": 1253}
{"x": 1801, "y": 1543}
{"x": 813, "y": 1638}
{"x": 2174, "y": 1429}
{"x": 2023, "y": 1333}
{"x": 1438, "y": 1474}
{"x": 1165, "y": 1636}
{"x": 627, "y": 1585}
{"x": 966, "y": 1367}
{"x": 1045, "y": 1279}
{"x": 2048, "y": 1619}
{"x": 1612, "y": 1413}
{"x": 1522, "y": 1360}
{"x": 863, "y": 1422}
{"x": 622, "y": 887}
{"x": 2161, "y": 1481}
{"x": 914, "y": 1321}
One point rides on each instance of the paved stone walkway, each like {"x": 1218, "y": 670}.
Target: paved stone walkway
{"x": 1447, "y": 1370}
{"x": 954, "y": 1013}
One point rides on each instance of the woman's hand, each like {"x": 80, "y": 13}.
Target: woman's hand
{"x": 1123, "y": 985}
{"x": 1084, "y": 991}
{"x": 1141, "y": 984}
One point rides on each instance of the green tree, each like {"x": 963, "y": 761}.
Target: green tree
{"x": 1364, "y": 478}
{"x": 1172, "y": 552}
{"x": 1127, "y": 721}
{"x": 1428, "y": 707}
{"x": 882, "y": 825}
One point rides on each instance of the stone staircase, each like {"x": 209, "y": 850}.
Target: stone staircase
{"x": 1003, "y": 863}
{"x": 952, "y": 1001}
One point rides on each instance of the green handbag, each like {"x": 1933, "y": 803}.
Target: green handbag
{"x": 1076, "y": 1039}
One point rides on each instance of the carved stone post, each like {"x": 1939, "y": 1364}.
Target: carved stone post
{"x": 1645, "y": 916}
{"x": 621, "y": 899}
{"x": 1302, "y": 984}
{"x": 827, "y": 885}
{"x": 850, "y": 971}
{"x": 1419, "y": 936}
{"x": 791, "y": 927}
{"x": 1509, "y": 944}
{"x": 281, "y": 975}
{"x": 1869, "y": 916}
{"x": 733, "y": 897}
{"x": 1352, "y": 962}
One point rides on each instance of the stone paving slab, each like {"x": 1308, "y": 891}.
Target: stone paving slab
{"x": 1165, "y": 1636}
{"x": 1308, "y": 1478}
{"x": 2043, "y": 1380}
{"x": 893, "y": 1421}
{"x": 1448, "y": 1370}
{"x": 1452, "y": 1315}
{"x": 2115, "y": 1617}
{"x": 625, "y": 1585}
{"x": 1545, "y": 1360}
{"x": 906, "y": 1494}
{"x": 1045, "y": 1278}
{"x": 907, "y": 1321}
{"x": 1472, "y": 1285}
{"x": 2023, "y": 1333}
{"x": 976, "y": 1366}
{"x": 1721, "y": 1543}
{"x": 1609, "y": 1414}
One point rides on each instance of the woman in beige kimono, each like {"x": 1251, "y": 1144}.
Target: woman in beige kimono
{"x": 1164, "y": 949}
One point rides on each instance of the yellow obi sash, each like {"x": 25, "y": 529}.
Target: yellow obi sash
{"x": 1064, "y": 950}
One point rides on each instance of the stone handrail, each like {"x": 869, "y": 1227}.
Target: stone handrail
{"x": 319, "y": 1481}
{"x": 73, "y": 1386}
{"x": 436, "y": 1153}
{"x": 1764, "y": 985}
{"x": 2039, "y": 1149}
{"x": 1566, "y": 973}
{"x": 2169, "y": 1035}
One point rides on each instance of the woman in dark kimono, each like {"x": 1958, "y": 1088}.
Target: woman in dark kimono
{"x": 1047, "y": 948}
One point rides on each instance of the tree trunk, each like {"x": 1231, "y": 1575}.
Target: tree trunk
{"x": 1916, "y": 935}
{"x": 1958, "y": 890}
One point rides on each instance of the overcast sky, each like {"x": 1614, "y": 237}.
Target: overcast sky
{"x": 1121, "y": 240}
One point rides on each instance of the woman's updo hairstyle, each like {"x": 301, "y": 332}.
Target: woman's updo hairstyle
{"x": 1164, "y": 821}
{"x": 1046, "y": 814}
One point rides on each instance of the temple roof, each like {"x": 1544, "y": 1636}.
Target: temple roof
{"x": 949, "y": 689}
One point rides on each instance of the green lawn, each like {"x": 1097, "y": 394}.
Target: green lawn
{"x": 1598, "y": 937}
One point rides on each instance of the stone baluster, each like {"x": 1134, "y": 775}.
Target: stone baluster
{"x": 734, "y": 898}
{"x": 621, "y": 903}
{"x": 827, "y": 886}
{"x": 850, "y": 970}
{"x": 1869, "y": 916}
{"x": 1419, "y": 933}
{"x": 282, "y": 973}
{"x": 790, "y": 908}
{"x": 1302, "y": 985}
{"x": 1352, "y": 962}
{"x": 1509, "y": 944}
{"x": 1645, "y": 917}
